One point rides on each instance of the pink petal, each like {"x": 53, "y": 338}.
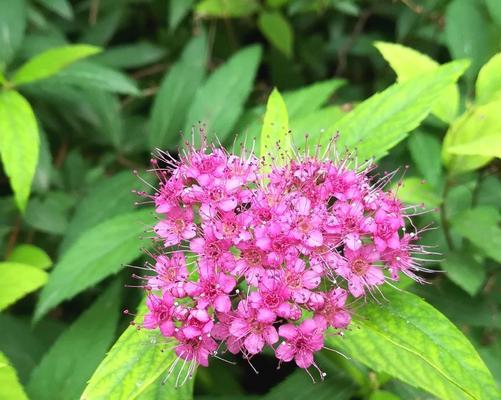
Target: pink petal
{"x": 222, "y": 303}
{"x": 303, "y": 359}
{"x": 311, "y": 279}
{"x": 284, "y": 352}
{"x": 288, "y": 331}
{"x": 254, "y": 343}
{"x": 270, "y": 335}
{"x": 314, "y": 239}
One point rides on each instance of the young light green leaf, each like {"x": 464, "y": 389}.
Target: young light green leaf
{"x": 10, "y": 388}
{"x": 51, "y": 62}
{"x": 425, "y": 150}
{"x": 31, "y": 255}
{"x": 19, "y": 144}
{"x": 177, "y": 11}
{"x": 480, "y": 226}
{"x": 12, "y": 26}
{"x": 130, "y": 55}
{"x": 96, "y": 254}
{"x": 489, "y": 146}
{"x": 219, "y": 102}
{"x": 88, "y": 74}
{"x": 408, "y": 63}
{"x": 416, "y": 191}
{"x": 60, "y": 7}
{"x": 464, "y": 271}
{"x": 176, "y": 93}
{"x": 275, "y": 136}
{"x": 17, "y": 280}
{"x": 226, "y": 9}
{"x": 488, "y": 86}
{"x": 409, "y": 339}
{"x": 69, "y": 363}
{"x": 383, "y": 120}
{"x": 132, "y": 367}
{"x": 277, "y": 30}
{"x": 474, "y": 125}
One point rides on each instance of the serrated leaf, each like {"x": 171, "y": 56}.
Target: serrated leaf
{"x": 10, "y": 388}
{"x": 425, "y": 150}
{"x": 383, "y": 120}
{"x": 132, "y": 55}
{"x": 480, "y": 226}
{"x": 177, "y": 11}
{"x": 31, "y": 255}
{"x": 88, "y": 74}
{"x": 408, "y": 63}
{"x": 409, "y": 339}
{"x": 277, "y": 30}
{"x": 68, "y": 364}
{"x": 51, "y": 61}
{"x": 219, "y": 102}
{"x": 275, "y": 136}
{"x": 132, "y": 368}
{"x": 464, "y": 271}
{"x": 17, "y": 280}
{"x": 226, "y": 8}
{"x": 176, "y": 93}
{"x": 12, "y": 26}
{"x": 96, "y": 254}
{"x": 19, "y": 144}
{"x": 488, "y": 85}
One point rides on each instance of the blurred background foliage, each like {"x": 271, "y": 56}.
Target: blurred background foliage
{"x": 91, "y": 87}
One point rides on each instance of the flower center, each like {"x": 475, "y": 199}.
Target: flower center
{"x": 359, "y": 266}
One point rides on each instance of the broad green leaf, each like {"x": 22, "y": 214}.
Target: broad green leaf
{"x": 96, "y": 254}
{"x": 219, "y": 102}
{"x": 133, "y": 367}
{"x": 65, "y": 368}
{"x": 12, "y": 26}
{"x": 277, "y": 30}
{"x": 480, "y": 226}
{"x": 226, "y": 8}
{"x": 425, "y": 150}
{"x": 176, "y": 93}
{"x": 177, "y": 11}
{"x": 31, "y": 255}
{"x": 19, "y": 144}
{"x": 383, "y": 395}
{"x": 467, "y": 34}
{"x": 494, "y": 7}
{"x": 416, "y": 191}
{"x": 275, "y": 136}
{"x": 474, "y": 125}
{"x": 385, "y": 119}
{"x": 49, "y": 214}
{"x": 10, "y": 388}
{"x": 409, "y": 339}
{"x": 108, "y": 198}
{"x": 489, "y": 146}
{"x": 488, "y": 86}
{"x": 464, "y": 271}
{"x": 130, "y": 55}
{"x": 17, "y": 280}
{"x": 90, "y": 75}
{"x": 51, "y": 62}
{"x": 102, "y": 31}
{"x": 408, "y": 63}
{"x": 60, "y": 7}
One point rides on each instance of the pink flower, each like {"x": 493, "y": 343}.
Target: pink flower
{"x": 161, "y": 313}
{"x": 169, "y": 272}
{"x": 212, "y": 290}
{"x": 331, "y": 311}
{"x": 198, "y": 349}
{"x": 300, "y": 281}
{"x": 177, "y": 227}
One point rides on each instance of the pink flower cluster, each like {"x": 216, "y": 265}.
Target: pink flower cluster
{"x": 251, "y": 259}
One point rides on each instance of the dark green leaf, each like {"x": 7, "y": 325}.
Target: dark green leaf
{"x": 60, "y": 7}
{"x": 425, "y": 150}
{"x": 465, "y": 271}
{"x": 130, "y": 55}
{"x": 277, "y": 30}
{"x": 177, "y": 11}
{"x": 12, "y": 26}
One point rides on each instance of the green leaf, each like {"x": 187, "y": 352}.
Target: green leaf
{"x": 383, "y": 120}
{"x": 132, "y": 368}
{"x": 474, "y": 125}
{"x": 130, "y": 55}
{"x": 489, "y": 146}
{"x": 226, "y": 8}
{"x": 494, "y": 7}
{"x": 480, "y": 226}
{"x": 88, "y": 74}
{"x": 383, "y": 395}
{"x": 219, "y": 102}
{"x": 60, "y": 7}
{"x": 96, "y": 254}
{"x": 10, "y": 388}
{"x": 178, "y": 9}
{"x": 277, "y": 30}
{"x": 425, "y": 150}
{"x": 416, "y": 191}
{"x": 17, "y": 280}
{"x": 106, "y": 199}
{"x": 467, "y": 34}
{"x": 176, "y": 93}
{"x": 408, "y": 63}
{"x": 51, "y": 62}
{"x": 50, "y": 214}
{"x": 464, "y": 271}
{"x": 488, "y": 86}
{"x": 12, "y": 26}
{"x": 69, "y": 363}
{"x": 30, "y": 255}
{"x": 19, "y": 144}
{"x": 409, "y": 339}
{"x": 275, "y": 135}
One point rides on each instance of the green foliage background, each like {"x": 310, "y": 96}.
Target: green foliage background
{"x": 88, "y": 88}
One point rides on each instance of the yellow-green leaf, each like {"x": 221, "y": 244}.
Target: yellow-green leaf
{"x": 226, "y": 8}
{"x": 31, "y": 255}
{"x": 10, "y": 388}
{"x": 488, "y": 84}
